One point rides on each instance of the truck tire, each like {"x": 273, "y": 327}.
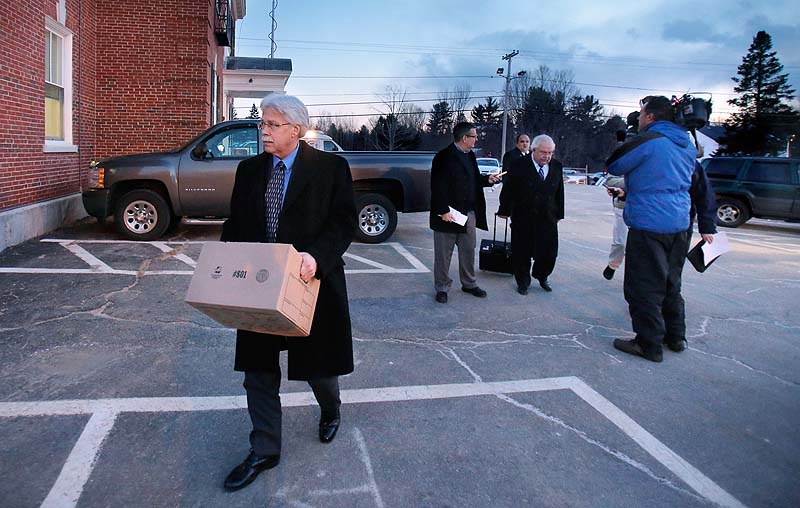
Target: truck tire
{"x": 142, "y": 215}
{"x": 377, "y": 218}
{"x": 731, "y": 212}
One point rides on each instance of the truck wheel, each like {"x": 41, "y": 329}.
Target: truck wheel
{"x": 377, "y": 218}
{"x": 731, "y": 212}
{"x": 142, "y": 215}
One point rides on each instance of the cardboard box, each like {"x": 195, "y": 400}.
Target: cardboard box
{"x": 254, "y": 286}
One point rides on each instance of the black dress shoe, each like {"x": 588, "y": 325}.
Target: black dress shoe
{"x": 476, "y": 291}
{"x": 328, "y": 428}
{"x": 633, "y": 348}
{"x": 522, "y": 290}
{"x": 545, "y": 285}
{"x": 441, "y": 297}
{"x": 244, "y": 474}
{"x": 608, "y": 273}
{"x": 677, "y": 345}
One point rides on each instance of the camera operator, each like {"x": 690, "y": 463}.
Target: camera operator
{"x": 657, "y": 166}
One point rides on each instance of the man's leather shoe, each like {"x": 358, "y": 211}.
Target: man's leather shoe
{"x": 608, "y": 273}
{"x": 545, "y": 285}
{"x": 244, "y": 474}
{"x": 522, "y": 290}
{"x": 328, "y": 428}
{"x": 476, "y": 291}
{"x": 633, "y": 348}
{"x": 441, "y": 297}
{"x": 677, "y": 345}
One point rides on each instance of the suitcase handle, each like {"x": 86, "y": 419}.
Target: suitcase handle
{"x": 494, "y": 231}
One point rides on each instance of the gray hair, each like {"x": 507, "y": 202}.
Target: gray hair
{"x": 289, "y": 106}
{"x": 542, "y": 139}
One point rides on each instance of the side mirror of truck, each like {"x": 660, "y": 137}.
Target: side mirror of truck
{"x": 200, "y": 151}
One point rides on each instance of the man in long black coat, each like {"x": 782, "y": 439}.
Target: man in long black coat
{"x": 318, "y": 217}
{"x": 456, "y": 183}
{"x": 521, "y": 149}
{"x": 533, "y": 195}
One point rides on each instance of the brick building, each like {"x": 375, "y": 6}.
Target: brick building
{"x": 87, "y": 79}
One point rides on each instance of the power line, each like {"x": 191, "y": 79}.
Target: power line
{"x": 479, "y": 51}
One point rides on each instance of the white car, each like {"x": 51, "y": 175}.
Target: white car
{"x": 488, "y": 165}
{"x": 573, "y": 176}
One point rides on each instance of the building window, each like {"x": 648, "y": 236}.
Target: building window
{"x": 57, "y": 88}
{"x": 53, "y": 86}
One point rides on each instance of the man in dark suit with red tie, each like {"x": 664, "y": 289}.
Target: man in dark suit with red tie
{"x": 533, "y": 196}
{"x": 294, "y": 194}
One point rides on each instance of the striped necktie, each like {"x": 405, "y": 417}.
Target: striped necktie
{"x": 541, "y": 172}
{"x": 274, "y": 200}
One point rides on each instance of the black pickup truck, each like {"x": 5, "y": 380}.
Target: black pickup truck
{"x": 147, "y": 192}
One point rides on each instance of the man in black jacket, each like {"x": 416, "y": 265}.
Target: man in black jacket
{"x": 533, "y": 195}
{"x": 522, "y": 149}
{"x": 457, "y": 187}
{"x": 297, "y": 195}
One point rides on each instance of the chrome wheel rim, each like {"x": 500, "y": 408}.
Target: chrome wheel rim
{"x": 373, "y": 220}
{"x": 140, "y": 217}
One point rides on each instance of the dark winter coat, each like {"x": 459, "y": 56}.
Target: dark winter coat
{"x": 450, "y": 184}
{"x": 318, "y": 217}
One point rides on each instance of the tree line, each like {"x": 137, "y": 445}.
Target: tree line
{"x": 548, "y": 101}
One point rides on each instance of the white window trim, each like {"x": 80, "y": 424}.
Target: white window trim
{"x": 65, "y": 145}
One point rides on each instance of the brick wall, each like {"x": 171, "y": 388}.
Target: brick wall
{"x": 142, "y": 82}
{"x": 27, "y": 174}
{"x": 154, "y": 82}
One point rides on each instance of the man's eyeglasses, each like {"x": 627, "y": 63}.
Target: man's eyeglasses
{"x": 470, "y": 135}
{"x": 271, "y": 126}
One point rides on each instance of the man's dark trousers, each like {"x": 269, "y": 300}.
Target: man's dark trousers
{"x": 653, "y": 266}
{"x": 264, "y": 406}
{"x": 537, "y": 238}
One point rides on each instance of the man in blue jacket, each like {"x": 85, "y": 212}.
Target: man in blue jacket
{"x": 658, "y": 167}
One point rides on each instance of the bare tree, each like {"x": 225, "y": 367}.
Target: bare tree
{"x": 400, "y": 120}
{"x": 414, "y": 117}
{"x": 458, "y": 97}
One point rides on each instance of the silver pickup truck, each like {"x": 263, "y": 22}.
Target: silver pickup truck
{"x": 148, "y": 192}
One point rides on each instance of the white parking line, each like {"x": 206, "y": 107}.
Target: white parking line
{"x": 90, "y": 259}
{"x": 163, "y": 247}
{"x": 76, "y": 471}
{"x": 99, "y": 267}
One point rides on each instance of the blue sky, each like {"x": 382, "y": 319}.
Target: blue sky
{"x": 350, "y": 51}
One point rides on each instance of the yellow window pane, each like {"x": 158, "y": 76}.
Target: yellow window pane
{"x": 53, "y": 112}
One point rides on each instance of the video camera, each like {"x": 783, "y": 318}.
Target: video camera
{"x": 690, "y": 112}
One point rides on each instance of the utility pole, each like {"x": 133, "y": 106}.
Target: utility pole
{"x": 508, "y": 78}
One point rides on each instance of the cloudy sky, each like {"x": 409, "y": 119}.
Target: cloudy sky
{"x": 350, "y": 51}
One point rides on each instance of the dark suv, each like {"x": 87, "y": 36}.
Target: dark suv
{"x": 766, "y": 187}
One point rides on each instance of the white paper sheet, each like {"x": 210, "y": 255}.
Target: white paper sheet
{"x": 716, "y": 249}
{"x": 458, "y": 217}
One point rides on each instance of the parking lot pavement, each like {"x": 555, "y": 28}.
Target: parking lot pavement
{"x": 114, "y": 392}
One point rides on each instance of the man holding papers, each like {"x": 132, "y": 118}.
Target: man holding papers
{"x": 457, "y": 208}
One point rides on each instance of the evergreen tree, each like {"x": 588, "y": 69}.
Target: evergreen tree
{"x": 764, "y": 121}
{"x": 254, "y": 112}
{"x": 390, "y": 134}
{"x": 439, "y": 122}
{"x": 488, "y": 119}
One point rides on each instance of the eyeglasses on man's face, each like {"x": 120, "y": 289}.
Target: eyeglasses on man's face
{"x": 470, "y": 135}
{"x": 271, "y": 126}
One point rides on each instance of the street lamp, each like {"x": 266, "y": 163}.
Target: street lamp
{"x": 508, "y": 77}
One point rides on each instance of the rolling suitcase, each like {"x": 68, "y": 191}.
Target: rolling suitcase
{"x": 495, "y": 256}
